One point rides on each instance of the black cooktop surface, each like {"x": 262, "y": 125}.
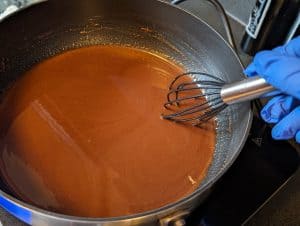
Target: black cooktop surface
{"x": 263, "y": 166}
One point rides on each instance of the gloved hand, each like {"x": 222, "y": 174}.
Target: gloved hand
{"x": 281, "y": 68}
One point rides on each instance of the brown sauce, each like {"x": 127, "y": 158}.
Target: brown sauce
{"x": 81, "y": 134}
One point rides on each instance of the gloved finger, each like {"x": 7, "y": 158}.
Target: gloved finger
{"x": 288, "y": 127}
{"x": 298, "y": 137}
{"x": 281, "y": 72}
{"x": 278, "y": 107}
{"x": 250, "y": 70}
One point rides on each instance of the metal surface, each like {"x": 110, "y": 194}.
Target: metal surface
{"x": 239, "y": 10}
{"x": 245, "y": 90}
{"x": 223, "y": 16}
{"x": 189, "y": 41}
{"x": 9, "y": 7}
{"x": 175, "y": 219}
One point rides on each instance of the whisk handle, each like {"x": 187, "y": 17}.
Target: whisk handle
{"x": 245, "y": 90}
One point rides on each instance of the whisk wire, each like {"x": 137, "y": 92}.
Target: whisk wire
{"x": 178, "y": 90}
{"x": 181, "y": 96}
{"x": 177, "y": 100}
{"x": 190, "y": 111}
{"x": 195, "y": 73}
{"x": 209, "y": 115}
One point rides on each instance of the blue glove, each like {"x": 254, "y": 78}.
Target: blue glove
{"x": 281, "y": 68}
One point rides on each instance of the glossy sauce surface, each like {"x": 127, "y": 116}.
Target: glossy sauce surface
{"x": 81, "y": 134}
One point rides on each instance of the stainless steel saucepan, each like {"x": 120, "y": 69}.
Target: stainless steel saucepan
{"x": 51, "y": 27}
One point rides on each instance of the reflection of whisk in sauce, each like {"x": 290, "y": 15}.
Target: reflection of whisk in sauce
{"x": 81, "y": 135}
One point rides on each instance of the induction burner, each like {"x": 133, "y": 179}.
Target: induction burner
{"x": 263, "y": 166}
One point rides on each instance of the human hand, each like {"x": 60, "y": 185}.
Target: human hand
{"x": 280, "y": 67}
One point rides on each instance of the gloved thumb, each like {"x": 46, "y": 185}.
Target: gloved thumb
{"x": 280, "y": 71}
{"x": 292, "y": 48}
{"x": 250, "y": 70}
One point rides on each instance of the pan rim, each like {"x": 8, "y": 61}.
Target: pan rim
{"x": 169, "y": 207}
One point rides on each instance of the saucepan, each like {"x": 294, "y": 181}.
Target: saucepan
{"x": 55, "y": 26}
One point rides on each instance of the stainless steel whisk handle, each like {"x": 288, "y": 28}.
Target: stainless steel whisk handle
{"x": 245, "y": 90}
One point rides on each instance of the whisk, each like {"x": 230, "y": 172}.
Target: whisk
{"x": 196, "y": 97}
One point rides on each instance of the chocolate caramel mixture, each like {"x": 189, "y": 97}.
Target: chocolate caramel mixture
{"x": 81, "y": 134}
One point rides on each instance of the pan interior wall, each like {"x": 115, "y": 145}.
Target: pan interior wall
{"x": 173, "y": 35}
